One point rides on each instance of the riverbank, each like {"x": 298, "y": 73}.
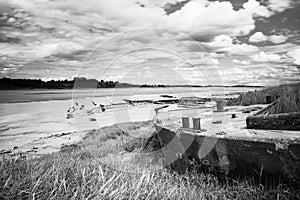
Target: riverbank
{"x": 108, "y": 159}
{"x": 288, "y": 97}
{"x": 107, "y": 165}
{"x": 42, "y": 121}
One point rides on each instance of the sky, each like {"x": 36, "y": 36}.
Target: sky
{"x": 198, "y": 42}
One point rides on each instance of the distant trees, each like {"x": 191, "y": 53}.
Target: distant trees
{"x": 145, "y": 85}
{"x": 82, "y": 82}
{"x": 77, "y": 82}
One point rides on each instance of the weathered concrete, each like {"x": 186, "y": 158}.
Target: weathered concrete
{"x": 196, "y": 123}
{"x": 220, "y": 105}
{"x": 185, "y": 122}
{"x": 237, "y": 152}
{"x": 232, "y": 157}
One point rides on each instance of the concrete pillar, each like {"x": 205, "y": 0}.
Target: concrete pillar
{"x": 196, "y": 123}
{"x": 220, "y": 105}
{"x": 185, "y": 122}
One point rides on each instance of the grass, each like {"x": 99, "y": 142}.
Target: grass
{"x": 289, "y": 98}
{"x": 93, "y": 170}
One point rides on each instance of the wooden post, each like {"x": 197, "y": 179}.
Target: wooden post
{"x": 185, "y": 122}
{"x": 196, "y": 123}
{"x": 268, "y": 100}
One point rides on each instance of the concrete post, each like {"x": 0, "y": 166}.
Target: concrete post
{"x": 196, "y": 123}
{"x": 185, "y": 122}
{"x": 220, "y": 105}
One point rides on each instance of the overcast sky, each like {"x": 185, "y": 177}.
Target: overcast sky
{"x": 253, "y": 42}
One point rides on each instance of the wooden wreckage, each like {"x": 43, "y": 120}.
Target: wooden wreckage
{"x": 231, "y": 149}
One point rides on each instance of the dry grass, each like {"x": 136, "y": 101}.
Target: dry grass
{"x": 84, "y": 171}
{"x": 289, "y": 98}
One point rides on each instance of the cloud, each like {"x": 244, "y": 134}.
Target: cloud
{"x": 61, "y": 32}
{"x": 295, "y": 54}
{"x": 198, "y": 18}
{"x": 263, "y": 57}
{"x": 41, "y": 49}
{"x": 226, "y": 44}
{"x": 215, "y": 61}
{"x": 260, "y": 37}
{"x": 241, "y": 62}
{"x": 239, "y": 49}
{"x": 60, "y": 48}
{"x": 260, "y": 74}
{"x": 278, "y": 39}
{"x": 279, "y": 5}
{"x": 221, "y": 41}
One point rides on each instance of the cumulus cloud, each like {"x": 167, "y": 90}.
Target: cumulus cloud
{"x": 241, "y": 62}
{"x": 221, "y": 41}
{"x": 198, "y": 18}
{"x": 239, "y": 49}
{"x": 264, "y": 57}
{"x": 279, "y": 5}
{"x": 278, "y": 39}
{"x": 215, "y": 61}
{"x": 260, "y": 37}
{"x": 60, "y": 48}
{"x": 295, "y": 54}
{"x": 39, "y": 50}
{"x": 70, "y": 27}
{"x": 226, "y": 44}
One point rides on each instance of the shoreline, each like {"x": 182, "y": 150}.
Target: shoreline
{"x": 49, "y": 134}
{"x": 51, "y": 124}
{"x": 65, "y": 143}
{"x": 48, "y": 144}
{"x": 26, "y": 96}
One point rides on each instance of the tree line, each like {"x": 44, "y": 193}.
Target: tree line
{"x": 77, "y": 82}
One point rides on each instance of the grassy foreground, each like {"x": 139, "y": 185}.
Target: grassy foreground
{"x": 93, "y": 170}
{"x": 289, "y": 98}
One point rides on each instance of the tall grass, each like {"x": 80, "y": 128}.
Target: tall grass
{"x": 289, "y": 98}
{"x": 76, "y": 176}
{"x": 80, "y": 172}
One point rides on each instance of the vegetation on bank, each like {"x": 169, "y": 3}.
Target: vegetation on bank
{"x": 95, "y": 169}
{"x": 77, "y": 82}
{"x": 288, "y": 95}
{"x": 82, "y": 82}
